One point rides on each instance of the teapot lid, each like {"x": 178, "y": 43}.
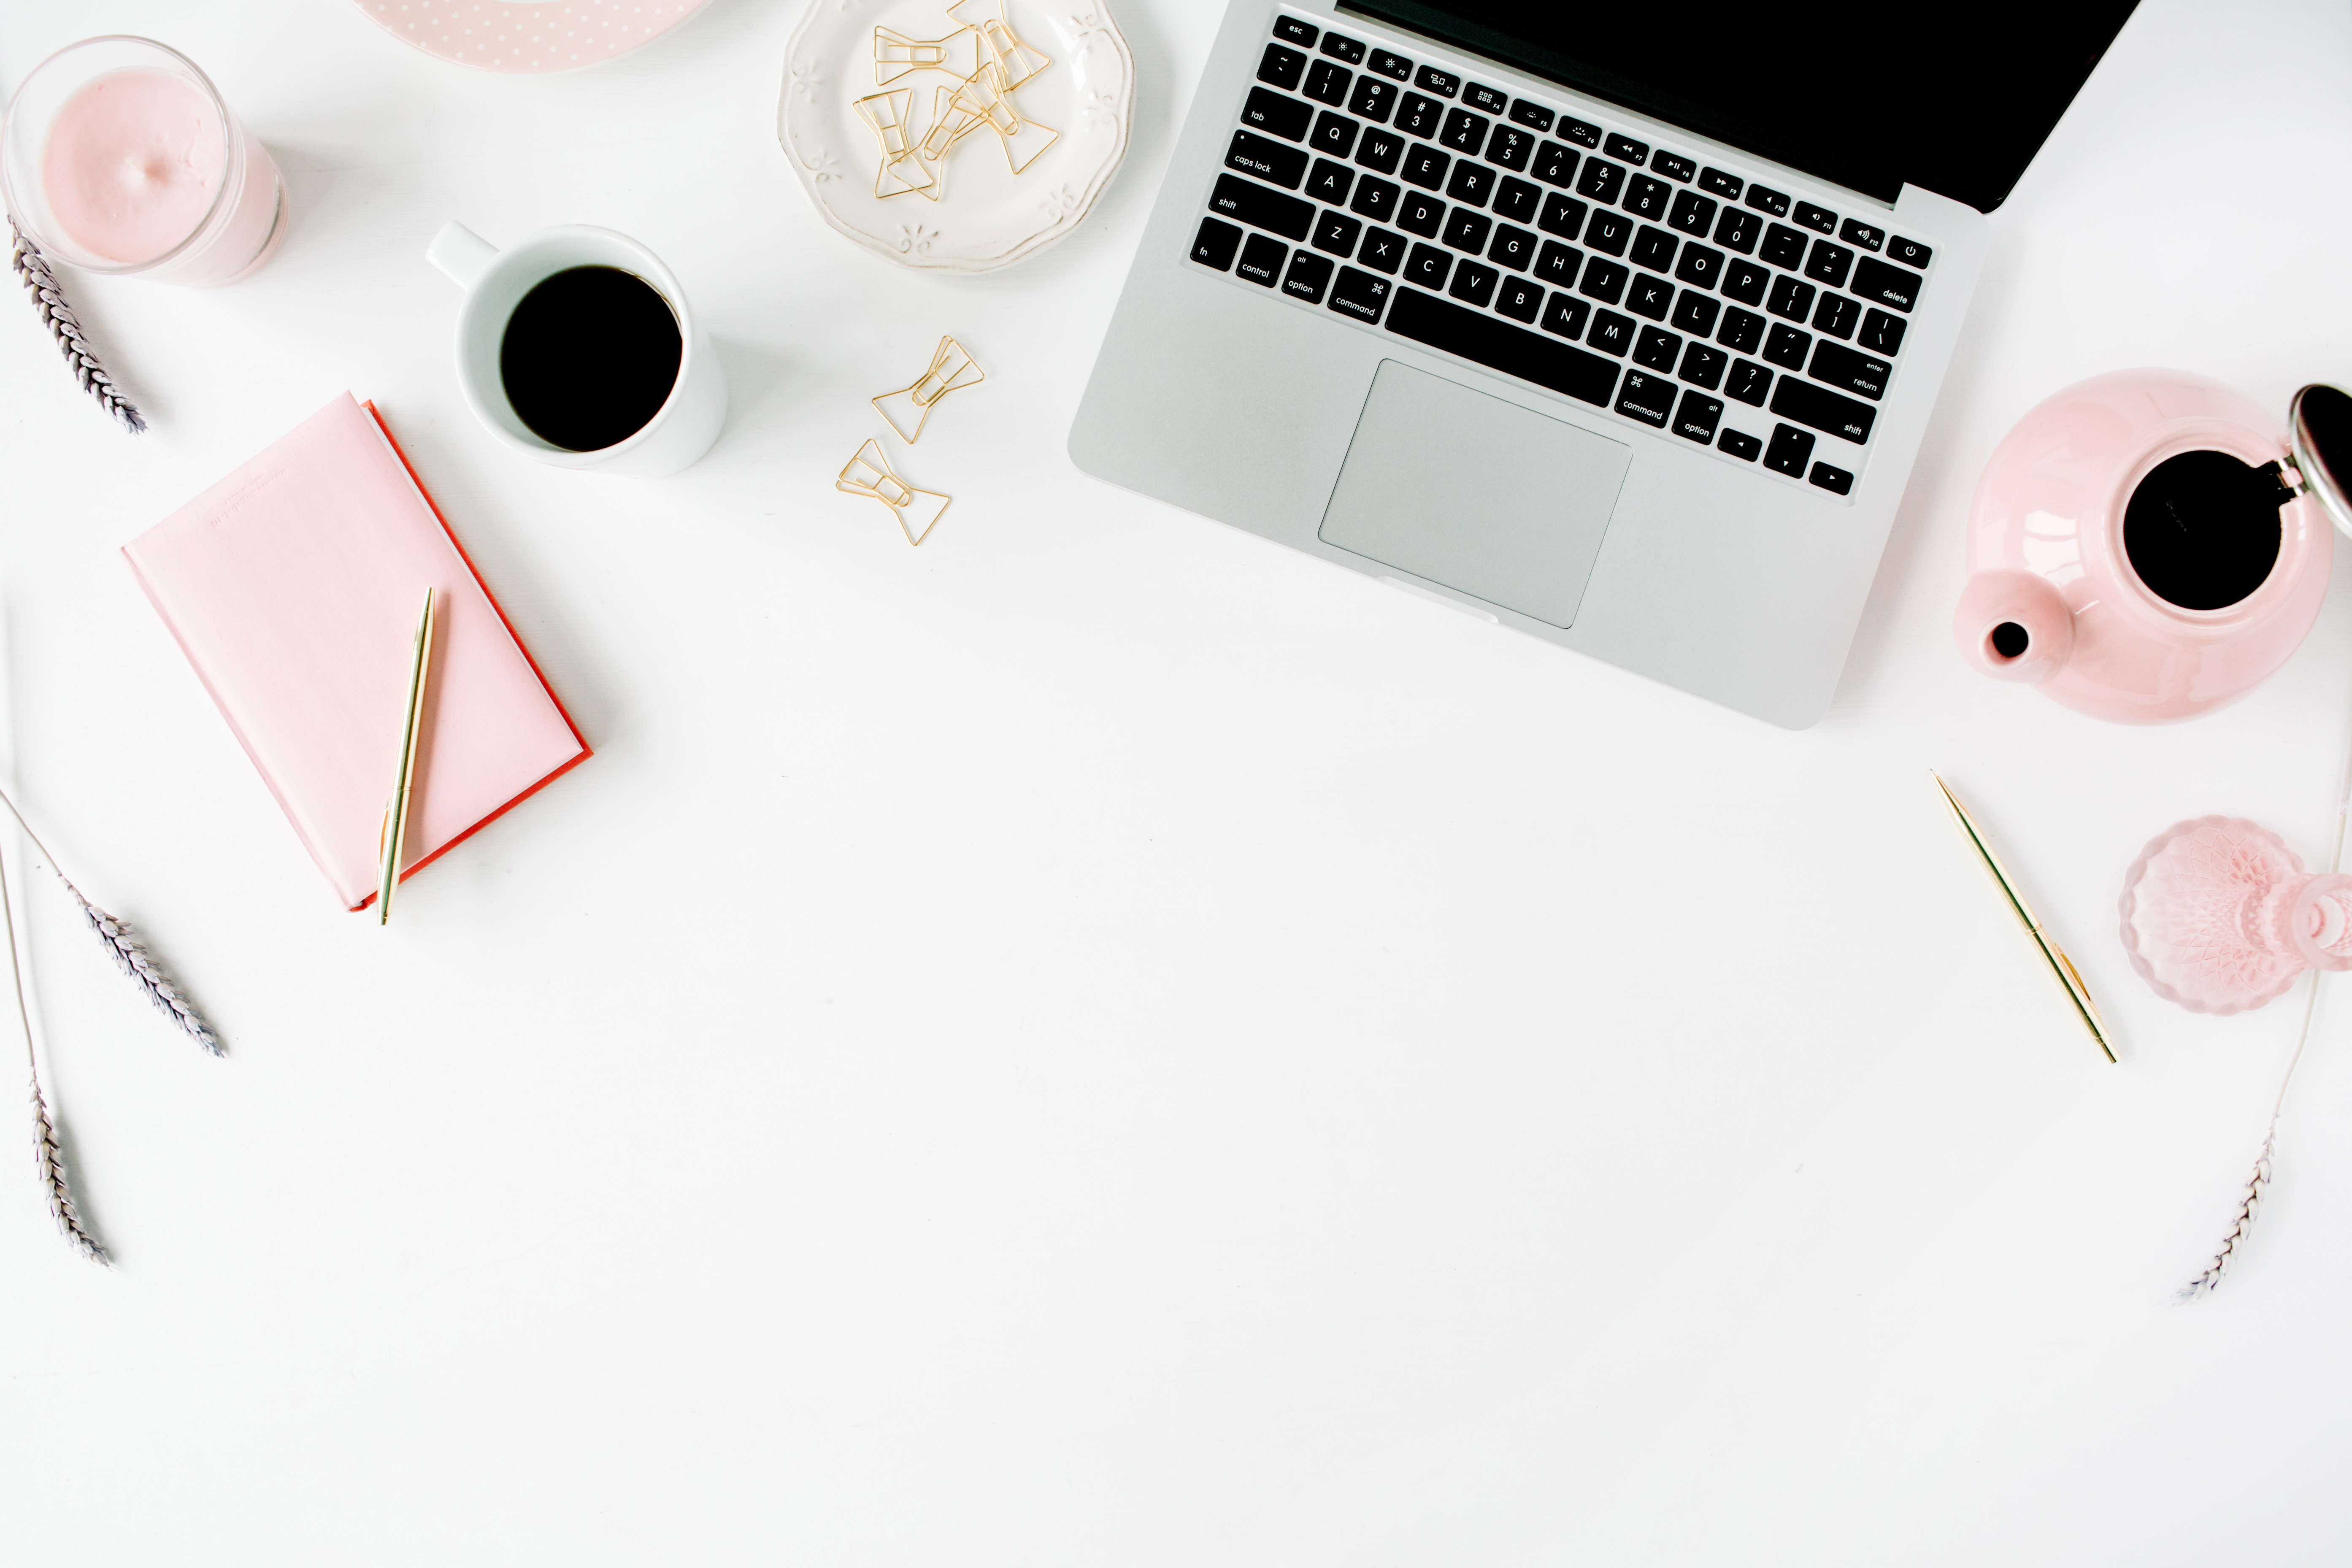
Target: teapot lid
{"x": 2320, "y": 422}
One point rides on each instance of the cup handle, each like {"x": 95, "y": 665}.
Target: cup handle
{"x": 461, "y": 253}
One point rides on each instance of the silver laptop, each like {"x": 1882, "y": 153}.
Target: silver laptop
{"x": 1623, "y": 332}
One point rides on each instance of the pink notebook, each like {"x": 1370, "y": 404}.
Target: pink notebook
{"x": 293, "y": 586}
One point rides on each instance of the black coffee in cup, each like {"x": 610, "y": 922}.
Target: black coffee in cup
{"x": 589, "y": 357}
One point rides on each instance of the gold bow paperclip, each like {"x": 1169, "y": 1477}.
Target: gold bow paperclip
{"x": 905, "y": 409}
{"x": 986, "y": 98}
{"x": 1016, "y": 59}
{"x": 884, "y": 114}
{"x": 868, "y": 474}
{"x": 894, "y": 53}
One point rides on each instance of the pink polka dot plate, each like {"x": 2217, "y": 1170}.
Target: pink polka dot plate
{"x": 528, "y": 37}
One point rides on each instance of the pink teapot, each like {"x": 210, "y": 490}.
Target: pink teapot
{"x": 2151, "y": 546}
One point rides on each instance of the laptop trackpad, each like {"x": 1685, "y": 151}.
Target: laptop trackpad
{"x": 1476, "y": 493}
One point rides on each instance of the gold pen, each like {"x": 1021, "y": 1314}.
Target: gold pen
{"x": 395, "y": 816}
{"x": 2061, "y": 968}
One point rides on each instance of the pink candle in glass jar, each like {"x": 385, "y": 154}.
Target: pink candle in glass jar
{"x": 120, "y": 157}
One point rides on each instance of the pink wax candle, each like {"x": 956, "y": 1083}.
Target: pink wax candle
{"x": 117, "y": 155}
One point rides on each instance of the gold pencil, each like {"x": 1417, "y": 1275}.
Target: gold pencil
{"x": 2061, "y": 968}
{"x": 396, "y": 822}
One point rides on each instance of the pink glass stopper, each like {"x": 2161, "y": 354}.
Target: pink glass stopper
{"x": 2219, "y": 916}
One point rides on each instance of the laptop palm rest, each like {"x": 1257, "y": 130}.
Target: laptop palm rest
{"x": 1475, "y": 493}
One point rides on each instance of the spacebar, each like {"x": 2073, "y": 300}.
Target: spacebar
{"x": 1482, "y": 338}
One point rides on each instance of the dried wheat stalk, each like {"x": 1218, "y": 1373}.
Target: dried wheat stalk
{"x": 49, "y": 300}
{"x": 46, "y": 1158}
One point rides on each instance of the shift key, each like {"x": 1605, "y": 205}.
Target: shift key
{"x": 1261, "y": 208}
{"x": 1809, "y": 403}
{"x": 1847, "y": 371}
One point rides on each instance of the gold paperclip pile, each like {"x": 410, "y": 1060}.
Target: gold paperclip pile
{"x": 906, "y": 411}
{"x": 989, "y": 62}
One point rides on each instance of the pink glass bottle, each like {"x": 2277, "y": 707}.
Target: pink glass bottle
{"x": 2219, "y": 915}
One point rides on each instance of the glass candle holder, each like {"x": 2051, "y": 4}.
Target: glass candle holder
{"x": 118, "y": 156}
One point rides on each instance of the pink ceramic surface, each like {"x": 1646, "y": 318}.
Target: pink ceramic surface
{"x": 2219, "y": 915}
{"x": 528, "y": 37}
{"x": 2046, "y": 553}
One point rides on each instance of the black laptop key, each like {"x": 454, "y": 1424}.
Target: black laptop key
{"x": 1425, "y": 166}
{"x": 1697, "y": 417}
{"x": 1381, "y": 251}
{"x": 1327, "y": 83}
{"x": 1428, "y": 266}
{"x": 1692, "y": 214}
{"x": 1791, "y": 299}
{"x": 1649, "y": 398}
{"x": 1765, "y": 200}
{"x": 1650, "y": 297}
{"x": 1341, "y": 48}
{"x": 1572, "y": 129}
{"x": 1417, "y": 213}
{"x": 1737, "y": 230}
{"x": 1465, "y": 133}
{"x": 1674, "y": 166}
{"x": 1485, "y": 99}
{"x": 1335, "y": 235}
{"x": 1510, "y": 147}
{"x": 1474, "y": 282}
{"x": 1701, "y": 265}
{"x": 1564, "y": 215}
{"x": 1276, "y": 115}
{"x": 1360, "y": 295}
{"x": 1559, "y": 264}
{"x": 1565, "y": 314}
{"x": 1601, "y": 181}
{"x": 1703, "y": 366}
{"x": 1815, "y": 217}
{"x": 1654, "y": 249}
{"x": 1466, "y": 230}
{"x": 1291, "y": 30}
{"x": 1695, "y": 312}
{"x": 1261, "y": 260}
{"x": 1657, "y": 349}
{"x": 1750, "y": 381}
{"x": 1625, "y": 149}
{"x": 1380, "y": 150}
{"x": 1790, "y": 450}
{"x": 1836, "y": 315}
{"x": 1742, "y": 332}
{"x": 1880, "y": 284}
{"x": 1245, "y": 201}
{"x": 1786, "y": 347}
{"x": 1309, "y": 276}
{"x": 1329, "y": 183}
{"x": 1471, "y": 183}
{"x": 1277, "y": 163}
{"x": 1373, "y": 98}
{"x": 1909, "y": 252}
{"x": 1746, "y": 282}
{"x": 1612, "y": 334}
{"x": 1603, "y": 280}
{"x": 1809, "y": 403}
{"x": 1518, "y": 200}
{"x": 1646, "y": 197}
{"x": 1854, "y": 231}
{"x": 1882, "y": 332}
{"x": 1375, "y": 199}
{"x": 1847, "y": 371}
{"x": 1500, "y": 346}
{"x": 1554, "y": 164}
{"x": 1740, "y": 445}
{"x": 1784, "y": 247}
{"x": 1829, "y": 264}
{"x": 1444, "y": 84}
{"x": 1387, "y": 64}
{"x": 1608, "y": 232}
{"x": 1419, "y": 116}
{"x": 1519, "y": 299}
{"x": 1215, "y": 244}
{"x": 1716, "y": 183}
{"x": 1334, "y": 136}
{"x": 1534, "y": 116}
{"x": 1281, "y": 67}
{"x": 1837, "y": 481}
{"x": 1513, "y": 248}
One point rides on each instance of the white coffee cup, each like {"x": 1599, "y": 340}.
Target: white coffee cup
{"x": 495, "y": 283}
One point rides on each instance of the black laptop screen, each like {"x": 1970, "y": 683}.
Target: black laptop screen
{"x": 1957, "y": 104}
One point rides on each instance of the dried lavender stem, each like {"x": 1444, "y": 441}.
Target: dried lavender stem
{"x": 48, "y": 1159}
{"x": 49, "y": 301}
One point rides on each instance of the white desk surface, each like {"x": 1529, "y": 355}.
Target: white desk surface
{"x": 1100, "y": 1041}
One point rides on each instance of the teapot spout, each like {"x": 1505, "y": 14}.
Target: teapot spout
{"x": 2013, "y": 625}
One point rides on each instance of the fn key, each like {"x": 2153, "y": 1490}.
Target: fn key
{"x": 1215, "y": 244}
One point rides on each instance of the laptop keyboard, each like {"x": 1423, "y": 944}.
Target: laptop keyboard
{"x": 1683, "y": 297}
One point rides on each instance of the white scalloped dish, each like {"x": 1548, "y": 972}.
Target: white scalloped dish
{"x": 988, "y": 215}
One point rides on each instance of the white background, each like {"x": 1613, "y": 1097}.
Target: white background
{"x": 1102, "y": 1041}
